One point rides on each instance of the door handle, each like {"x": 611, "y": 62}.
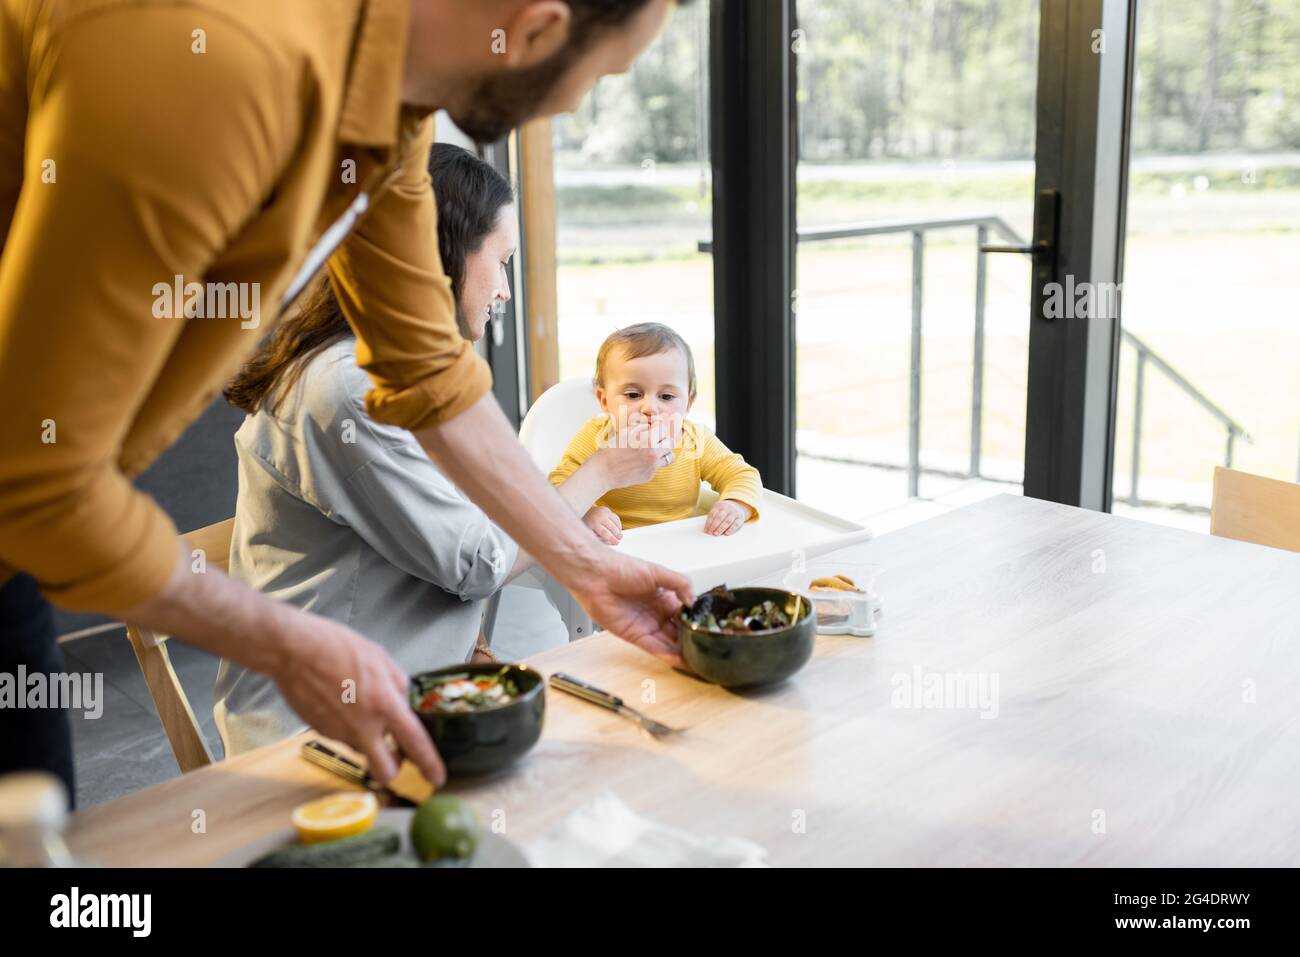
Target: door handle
{"x": 1027, "y": 250}
{"x": 1043, "y": 248}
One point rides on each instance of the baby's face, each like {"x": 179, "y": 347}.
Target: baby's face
{"x": 650, "y": 390}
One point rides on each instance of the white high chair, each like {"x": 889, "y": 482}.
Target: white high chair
{"x": 788, "y": 530}
{"x": 545, "y": 433}
{"x": 555, "y": 417}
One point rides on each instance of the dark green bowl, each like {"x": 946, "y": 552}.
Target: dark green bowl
{"x": 477, "y": 742}
{"x": 756, "y": 658}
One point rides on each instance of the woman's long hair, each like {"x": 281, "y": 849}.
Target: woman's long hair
{"x": 470, "y": 194}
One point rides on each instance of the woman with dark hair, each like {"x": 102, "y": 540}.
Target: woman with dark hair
{"x": 347, "y": 517}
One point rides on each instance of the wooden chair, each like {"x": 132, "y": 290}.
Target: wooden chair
{"x": 1252, "y": 508}
{"x": 174, "y": 711}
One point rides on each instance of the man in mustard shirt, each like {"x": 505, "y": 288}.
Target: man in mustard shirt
{"x": 171, "y": 171}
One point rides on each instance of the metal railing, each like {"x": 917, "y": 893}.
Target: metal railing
{"x": 1146, "y": 354}
{"x": 984, "y": 225}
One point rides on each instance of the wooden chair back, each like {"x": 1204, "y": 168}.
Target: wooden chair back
{"x": 1252, "y": 508}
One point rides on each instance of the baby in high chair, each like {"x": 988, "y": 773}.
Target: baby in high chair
{"x": 642, "y": 461}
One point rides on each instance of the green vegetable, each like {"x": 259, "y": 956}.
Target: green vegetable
{"x": 351, "y": 851}
{"x": 717, "y": 610}
{"x": 444, "y": 826}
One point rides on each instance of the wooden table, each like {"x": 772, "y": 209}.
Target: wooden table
{"x": 1147, "y": 713}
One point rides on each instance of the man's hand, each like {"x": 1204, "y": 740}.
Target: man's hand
{"x": 349, "y": 689}
{"x": 633, "y": 599}
{"x": 605, "y": 523}
{"x": 338, "y": 682}
{"x": 727, "y": 517}
{"x": 637, "y": 601}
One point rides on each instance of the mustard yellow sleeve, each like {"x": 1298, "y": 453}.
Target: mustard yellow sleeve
{"x": 728, "y": 473}
{"x": 582, "y": 446}
{"x": 141, "y": 159}
{"x": 388, "y": 279}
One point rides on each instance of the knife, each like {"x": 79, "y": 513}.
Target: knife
{"x": 346, "y": 768}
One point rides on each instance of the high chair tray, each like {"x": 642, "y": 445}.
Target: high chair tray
{"x": 772, "y": 544}
{"x": 785, "y": 529}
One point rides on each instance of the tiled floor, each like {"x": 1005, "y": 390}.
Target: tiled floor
{"x": 124, "y": 749}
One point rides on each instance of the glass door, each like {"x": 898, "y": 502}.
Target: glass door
{"x": 917, "y": 125}
{"x": 633, "y": 201}
{"x": 1211, "y": 342}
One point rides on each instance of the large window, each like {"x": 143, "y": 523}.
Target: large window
{"x": 928, "y": 374}
{"x": 917, "y": 126}
{"x": 633, "y": 200}
{"x": 1211, "y": 286}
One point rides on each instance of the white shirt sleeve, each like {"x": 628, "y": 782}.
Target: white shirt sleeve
{"x": 377, "y": 480}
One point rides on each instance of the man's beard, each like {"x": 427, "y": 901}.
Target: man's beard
{"x": 500, "y": 103}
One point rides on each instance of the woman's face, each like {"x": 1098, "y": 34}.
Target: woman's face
{"x": 487, "y": 274}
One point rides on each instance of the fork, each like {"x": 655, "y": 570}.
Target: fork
{"x": 604, "y": 699}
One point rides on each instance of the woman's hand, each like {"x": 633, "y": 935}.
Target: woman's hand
{"x": 623, "y": 466}
{"x": 610, "y": 468}
{"x": 605, "y": 523}
{"x": 726, "y": 517}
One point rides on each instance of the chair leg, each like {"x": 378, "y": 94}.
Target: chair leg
{"x": 174, "y": 711}
{"x": 575, "y": 617}
{"x": 490, "y": 616}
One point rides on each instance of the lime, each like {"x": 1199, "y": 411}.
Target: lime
{"x": 444, "y": 826}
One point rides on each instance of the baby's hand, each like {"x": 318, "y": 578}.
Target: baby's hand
{"x": 605, "y": 523}
{"x": 726, "y": 517}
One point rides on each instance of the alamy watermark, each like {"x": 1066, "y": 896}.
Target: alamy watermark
{"x": 952, "y": 690}
{"x": 209, "y": 300}
{"x": 61, "y": 690}
{"x": 630, "y": 429}
{"x": 1084, "y": 300}
{"x": 74, "y": 909}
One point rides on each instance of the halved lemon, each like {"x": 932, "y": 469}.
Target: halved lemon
{"x": 339, "y": 815}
